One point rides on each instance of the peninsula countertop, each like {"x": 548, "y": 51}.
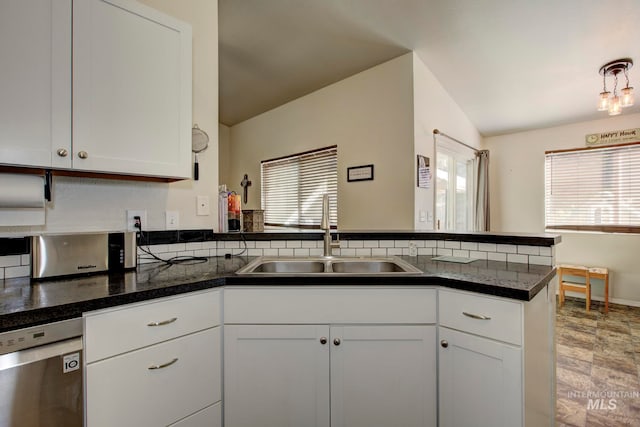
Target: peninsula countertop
{"x": 26, "y": 303}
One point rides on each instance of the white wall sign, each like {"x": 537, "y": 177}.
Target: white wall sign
{"x": 613, "y": 137}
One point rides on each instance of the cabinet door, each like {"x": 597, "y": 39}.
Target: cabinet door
{"x": 35, "y": 88}
{"x": 480, "y": 381}
{"x": 276, "y": 376}
{"x": 131, "y": 90}
{"x": 383, "y": 376}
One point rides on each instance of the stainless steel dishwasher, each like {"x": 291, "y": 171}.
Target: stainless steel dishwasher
{"x": 41, "y": 376}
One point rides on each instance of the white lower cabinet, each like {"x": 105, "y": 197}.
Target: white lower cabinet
{"x": 324, "y": 373}
{"x": 174, "y": 375}
{"x": 496, "y": 360}
{"x": 480, "y": 381}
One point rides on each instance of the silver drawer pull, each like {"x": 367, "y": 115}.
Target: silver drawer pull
{"x": 164, "y": 365}
{"x": 476, "y": 316}
{"x": 164, "y": 322}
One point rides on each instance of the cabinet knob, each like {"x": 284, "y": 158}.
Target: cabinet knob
{"x": 83, "y": 154}
{"x": 336, "y": 341}
{"x": 444, "y": 343}
{"x": 62, "y": 152}
{"x": 323, "y": 340}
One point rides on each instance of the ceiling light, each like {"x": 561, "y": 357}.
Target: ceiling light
{"x": 612, "y": 102}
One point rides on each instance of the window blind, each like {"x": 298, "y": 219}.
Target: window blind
{"x": 293, "y": 186}
{"x": 593, "y": 189}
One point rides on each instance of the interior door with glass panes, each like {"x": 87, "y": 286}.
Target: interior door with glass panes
{"x": 454, "y": 188}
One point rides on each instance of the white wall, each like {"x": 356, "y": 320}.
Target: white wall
{"x": 82, "y": 204}
{"x": 517, "y": 200}
{"x": 434, "y": 109}
{"x": 224, "y": 153}
{"x": 369, "y": 116}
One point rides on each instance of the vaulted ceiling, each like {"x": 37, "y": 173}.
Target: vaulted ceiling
{"x": 509, "y": 64}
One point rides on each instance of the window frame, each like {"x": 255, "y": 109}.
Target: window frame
{"x": 301, "y": 162}
{"x": 603, "y": 228}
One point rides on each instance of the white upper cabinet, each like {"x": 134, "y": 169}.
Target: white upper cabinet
{"x": 35, "y": 87}
{"x": 131, "y": 90}
{"x": 126, "y": 71}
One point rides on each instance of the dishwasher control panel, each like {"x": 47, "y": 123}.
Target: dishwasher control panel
{"x": 38, "y": 335}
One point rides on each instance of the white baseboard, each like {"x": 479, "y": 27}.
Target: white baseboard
{"x": 621, "y": 301}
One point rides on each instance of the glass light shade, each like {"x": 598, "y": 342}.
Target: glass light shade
{"x": 614, "y": 106}
{"x": 603, "y": 103}
{"x": 627, "y": 97}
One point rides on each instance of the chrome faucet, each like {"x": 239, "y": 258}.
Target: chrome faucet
{"x": 326, "y": 226}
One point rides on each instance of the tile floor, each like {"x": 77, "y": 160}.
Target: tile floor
{"x": 598, "y": 365}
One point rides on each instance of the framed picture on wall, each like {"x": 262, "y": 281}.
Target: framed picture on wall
{"x": 360, "y": 173}
{"x": 423, "y": 174}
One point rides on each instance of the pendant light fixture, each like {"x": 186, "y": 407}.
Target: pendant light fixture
{"x": 614, "y": 104}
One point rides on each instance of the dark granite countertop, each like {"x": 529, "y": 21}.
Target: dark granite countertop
{"x": 24, "y": 303}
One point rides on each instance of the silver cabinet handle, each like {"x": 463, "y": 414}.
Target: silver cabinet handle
{"x": 323, "y": 340}
{"x": 444, "y": 343}
{"x": 164, "y": 365}
{"x": 83, "y": 154}
{"x": 336, "y": 341}
{"x": 164, "y": 322}
{"x": 62, "y": 152}
{"x": 476, "y": 316}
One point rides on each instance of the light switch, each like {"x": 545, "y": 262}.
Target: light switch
{"x": 202, "y": 206}
{"x": 172, "y": 219}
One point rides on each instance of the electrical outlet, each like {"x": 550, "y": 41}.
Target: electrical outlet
{"x": 413, "y": 250}
{"x": 172, "y": 220}
{"x": 202, "y": 206}
{"x": 130, "y": 221}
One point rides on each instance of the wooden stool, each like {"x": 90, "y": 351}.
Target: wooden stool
{"x": 574, "y": 270}
{"x": 588, "y": 273}
{"x": 601, "y": 273}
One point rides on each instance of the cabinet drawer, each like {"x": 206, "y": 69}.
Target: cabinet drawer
{"x": 123, "y": 390}
{"x": 289, "y": 305}
{"x": 210, "y": 417}
{"x": 503, "y": 319}
{"x": 121, "y": 329}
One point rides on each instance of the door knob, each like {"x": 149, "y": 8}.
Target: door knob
{"x": 323, "y": 340}
{"x": 444, "y": 343}
{"x": 336, "y": 341}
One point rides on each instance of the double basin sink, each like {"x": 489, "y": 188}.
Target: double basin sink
{"x": 328, "y": 266}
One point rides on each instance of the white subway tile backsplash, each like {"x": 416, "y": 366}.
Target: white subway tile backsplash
{"x": 431, "y": 244}
{"x": 301, "y": 252}
{"x": 177, "y": 247}
{"x": 540, "y": 260}
{"x": 394, "y": 251}
{"x": 496, "y": 256}
{"x": 510, "y": 249}
{"x": 10, "y": 261}
{"x": 263, "y": 244}
{"x": 444, "y": 252}
{"x": 518, "y": 258}
{"x": 293, "y": 244}
{"x": 477, "y": 255}
{"x": 254, "y": 252}
{"x": 440, "y": 244}
{"x": 546, "y": 251}
{"x": 402, "y": 244}
{"x": 356, "y": 244}
{"x": 469, "y": 246}
{"x": 231, "y": 244}
{"x": 379, "y": 252}
{"x": 278, "y": 244}
{"x": 418, "y": 243}
{"x": 309, "y": 244}
{"x": 186, "y": 253}
{"x": 371, "y": 243}
{"x": 487, "y": 247}
{"x": 387, "y": 243}
{"x": 461, "y": 253}
{"x": 344, "y": 244}
{"x": 451, "y": 245}
{"x": 201, "y": 252}
{"x": 192, "y": 246}
{"x": 528, "y": 250}
{"x": 285, "y": 252}
{"x": 25, "y": 259}
{"x": 270, "y": 252}
{"x": 425, "y": 251}
{"x": 209, "y": 245}
{"x": 1, "y": 273}
{"x": 363, "y": 252}
{"x": 347, "y": 252}
{"x": 316, "y": 252}
{"x": 406, "y": 251}
{"x": 251, "y": 244}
